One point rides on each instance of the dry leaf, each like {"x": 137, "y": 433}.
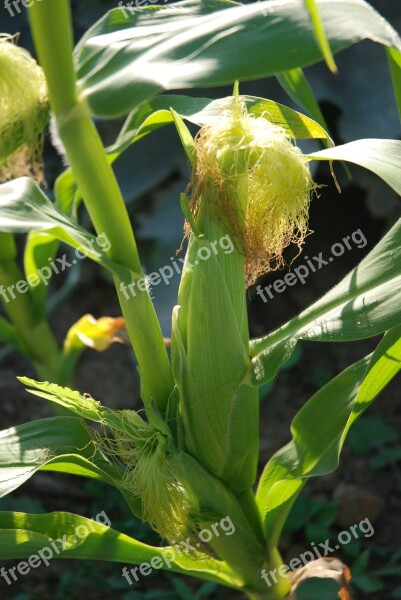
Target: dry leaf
{"x": 325, "y": 568}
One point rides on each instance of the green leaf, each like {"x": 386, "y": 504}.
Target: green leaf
{"x": 320, "y": 34}
{"x": 126, "y": 59}
{"x": 24, "y": 535}
{"x": 155, "y": 113}
{"x": 382, "y": 157}
{"x": 330, "y": 412}
{"x": 88, "y": 408}
{"x": 360, "y": 565}
{"x": 40, "y": 249}
{"x": 24, "y": 207}
{"x": 385, "y": 364}
{"x": 386, "y": 457}
{"x": 26, "y": 448}
{"x": 85, "y": 407}
{"x": 297, "y": 87}
{"x": 61, "y": 444}
{"x": 394, "y": 60}
{"x": 365, "y": 303}
{"x": 308, "y": 454}
{"x": 66, "y": 193}
{"x": 186, "y": 138}
{"x": 367, "y": 583}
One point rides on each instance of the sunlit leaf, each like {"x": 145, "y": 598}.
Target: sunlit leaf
{"x": 125, "y": 59}
{"x": 394, "y": 59}
{"x": 25, "y": 535}
{"x": 155, "y": 113}
{"x": 297, "y": 87}
{"x": 321, "y": 34}
{"x": 331, "y": 411}
{"x": 24, "y": 208}
{"x": 382, "y": 157}
{"x": 365, "y": 303}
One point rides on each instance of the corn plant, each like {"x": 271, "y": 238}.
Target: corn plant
{"x": 191, "y": 456}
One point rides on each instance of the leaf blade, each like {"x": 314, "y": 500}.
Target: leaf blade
{"x": 320, "y": 35}
{"x": 194, "y": 44}
{"x": 342, "y": 401}
{"x": 364, "y": 304}
{"x": 394, "y": 60}
{"x": 155, "y": 113}
{"x": 382, "y": 157}
{"x": 23, "y": 535}
{"x": 24, "y": 208}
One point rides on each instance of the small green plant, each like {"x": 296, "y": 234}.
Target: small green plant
{"x": 188, "y": 462}
{"x": 373, "y": 436}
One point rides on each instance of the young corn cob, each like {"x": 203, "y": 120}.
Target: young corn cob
{"x": 163, "y": 484}
{"x": 251, "y": 183}
{"x": 24, "y": 112}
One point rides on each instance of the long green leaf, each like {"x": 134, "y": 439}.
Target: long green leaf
{"x": 26, "y": 448}
{"x": 394, "y": 59}
{"x": 61, "y": 444}
{"x": 40, "y": 249}
{"x": 320, "y": 34}
{"x": 384, "y": 365}
{"x": 61, "y": 535}
{"x": 365, "y": 303}
{"x": 331, "y": 412}
{"x": 307, "y": 454}
{"x": 125, "y": 59}
{"x": 155, "y": 113}
{"x": 24, "y": 207}
{"x": 382, "y": 157}
{"x": 84, "y": 407}
{"x": 297, "y": 87}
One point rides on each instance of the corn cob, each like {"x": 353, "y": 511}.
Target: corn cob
{"x": 25, "y": 111}
{"x": 252, "y": 184}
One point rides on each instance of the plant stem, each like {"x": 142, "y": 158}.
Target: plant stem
{"x": 37, "y": 337}
{"x": 52, "y": 31}
{"x": 248, "y": 504}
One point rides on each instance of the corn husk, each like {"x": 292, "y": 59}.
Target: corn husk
{"x": 251, "y": 183}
